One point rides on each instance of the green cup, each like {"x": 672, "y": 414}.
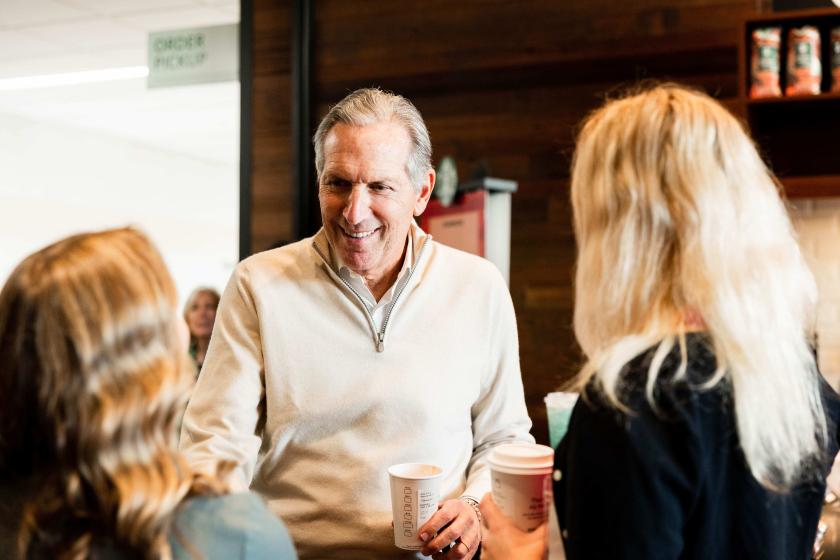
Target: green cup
{"x": 558, "y": 408}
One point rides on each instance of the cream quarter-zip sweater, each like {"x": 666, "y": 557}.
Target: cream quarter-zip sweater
{"x": 298, "y": 389}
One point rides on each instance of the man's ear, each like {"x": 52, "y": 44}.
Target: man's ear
{"x": 425, "y": 192}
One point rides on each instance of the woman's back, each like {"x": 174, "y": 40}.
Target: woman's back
{"x": 93, "y": 380}
{"x": 674, "y": 482}
{"x": 228, "y": 527}
{"x": 231, "y": 527}
{"x": 236, "y": 526}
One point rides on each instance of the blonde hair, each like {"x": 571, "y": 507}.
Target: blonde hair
{"x": 93, "y": 380}
{"x": 674, "y": 213}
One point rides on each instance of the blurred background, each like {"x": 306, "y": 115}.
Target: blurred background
{"x": 85, "y": 145}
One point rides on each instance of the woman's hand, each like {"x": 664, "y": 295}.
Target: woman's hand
{"x": 502, "y": 540}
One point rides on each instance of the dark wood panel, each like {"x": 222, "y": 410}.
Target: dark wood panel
{"x": 271, "y": 226}
{"x": 272, "y": 165}
{"x": 456, "y": 36}
{"x": 271, "y": 105}
{"x": 660, "y": 60}
{"x": 811, "y": 186}
{"x": 271, "y": 196}
{"x": 271, "y": 159}
{"x": 787, "y": 134}
{"x": 425, "y": 46}
{"x": 547, "y": 346}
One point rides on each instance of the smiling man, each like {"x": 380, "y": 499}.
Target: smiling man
{"x": 364, "y": 346}
{"x": 368, "y": 200}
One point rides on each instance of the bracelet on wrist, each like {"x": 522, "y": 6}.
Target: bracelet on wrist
{"x": 474, "y": 505}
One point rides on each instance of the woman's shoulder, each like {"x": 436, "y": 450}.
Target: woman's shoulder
{"x": 680, "y": 400}
{"x": 694, "y": 353}
{"x": 684, "y": 371}
{"x": 230, "y": 526}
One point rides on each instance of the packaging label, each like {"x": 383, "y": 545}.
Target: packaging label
{"x": 803, "y": 55}
{"x": 768, "y": 58}
{"x": 521, "y": 497}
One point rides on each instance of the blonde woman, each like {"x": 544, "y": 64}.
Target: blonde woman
{"x": 93, "y": 377}
{"x": 705, "y": 430}
{"x": 200, "y": 314}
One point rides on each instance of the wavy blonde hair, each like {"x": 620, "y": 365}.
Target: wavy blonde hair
{"x": 675, "y": 213}
{"x": 93, "y": 379}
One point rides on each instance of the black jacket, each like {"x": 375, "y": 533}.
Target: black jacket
{"x": 673, "y": 483}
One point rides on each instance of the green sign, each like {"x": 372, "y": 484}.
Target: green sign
{"x": 194, "y": 56}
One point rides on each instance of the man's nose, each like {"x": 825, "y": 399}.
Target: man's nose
{"x": 357, "y": 208}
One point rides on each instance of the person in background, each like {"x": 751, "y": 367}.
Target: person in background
{"x": 704, "y": 429}
{"x": 93, "y": 377}
{"x": 364, "y": 346}
{"x": 200, "y": 314}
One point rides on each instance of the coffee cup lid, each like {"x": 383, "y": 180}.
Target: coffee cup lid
{"x": 522, "y": 456}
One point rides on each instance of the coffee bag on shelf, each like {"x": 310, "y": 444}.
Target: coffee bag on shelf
{"x": 804, "y": 71}
{"x": 765, "y": 62}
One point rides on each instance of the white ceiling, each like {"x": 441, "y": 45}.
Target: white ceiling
{"x": 40, "y": 37}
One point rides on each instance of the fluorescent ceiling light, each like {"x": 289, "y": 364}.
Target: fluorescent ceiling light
{"x": 73, "y": 78}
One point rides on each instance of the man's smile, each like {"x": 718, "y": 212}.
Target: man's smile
{"x": 359, "y": 234}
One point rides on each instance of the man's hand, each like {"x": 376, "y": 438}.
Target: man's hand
{"x": 503, "y": 540}
{"x": 454, "y": 521}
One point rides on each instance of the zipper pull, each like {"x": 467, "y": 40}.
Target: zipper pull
{"x": 380, "y": 345}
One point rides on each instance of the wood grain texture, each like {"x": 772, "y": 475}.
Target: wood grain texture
{"x": 271, "y": 159}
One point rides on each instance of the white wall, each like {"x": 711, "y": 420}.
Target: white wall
{"x": 57, "y": 179}
{"x": 818, "y": 225}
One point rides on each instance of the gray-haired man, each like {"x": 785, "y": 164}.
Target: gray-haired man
{"x": 364, "y": 346}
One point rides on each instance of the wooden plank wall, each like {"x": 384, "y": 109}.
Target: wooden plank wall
{"x": 503, "y": 85}
{"x": 271, "y": 148}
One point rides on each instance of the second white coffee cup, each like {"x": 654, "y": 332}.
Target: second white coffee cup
{"x": 415, "y": 492}
{"x": 518, "y": 473}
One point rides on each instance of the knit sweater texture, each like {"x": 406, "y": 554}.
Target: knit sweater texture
{"x": 295, "y": 390}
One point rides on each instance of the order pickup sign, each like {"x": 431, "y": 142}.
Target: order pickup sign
{"x": 194, "y": 56}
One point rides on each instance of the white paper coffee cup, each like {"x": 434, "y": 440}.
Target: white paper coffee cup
{"x": 518, "y": 472}
{"x": 415, "y": 492}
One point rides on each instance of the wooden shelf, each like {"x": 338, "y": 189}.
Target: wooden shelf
{"x": 814, "y": 186}
{"x": 795, "y": 134}
{"x": 793, "y": 16}
{"x": 824, "y": 19}
{"x": 822, "y": 97}
{"x": 615, "y": 61}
